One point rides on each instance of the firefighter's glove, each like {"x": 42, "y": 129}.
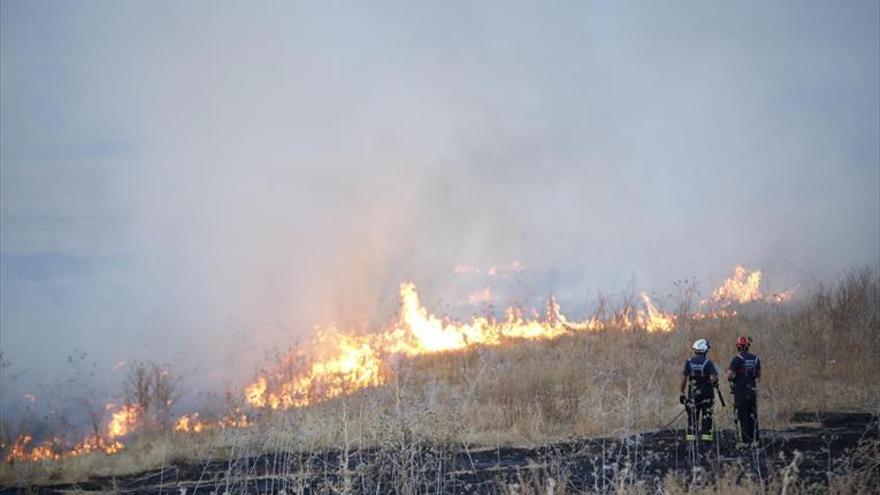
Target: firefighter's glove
{"x": 681, "y": 399}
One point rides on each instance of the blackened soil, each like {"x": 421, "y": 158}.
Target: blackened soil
{"x": 826, "y": 442}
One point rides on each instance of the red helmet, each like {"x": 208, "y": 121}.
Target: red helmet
{"x": 743, "y": 341}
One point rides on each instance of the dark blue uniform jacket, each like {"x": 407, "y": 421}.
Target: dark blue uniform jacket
{"x": 699, "y": 370}
{"x": 746, "y": 368}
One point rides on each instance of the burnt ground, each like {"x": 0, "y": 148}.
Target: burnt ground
{"x": 826, "y": 443}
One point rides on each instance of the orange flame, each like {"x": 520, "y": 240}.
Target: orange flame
{"x": 95, "y": 444}
{"x": 655, "y": 320}
{"x": 45, "y": 451}
{"x": 743, "y": 287}
{"x": 52, "y": 450}
{"x": 123, "y": 421}
{"x": 339, "y": 362}
{"x": 191, "y": 423}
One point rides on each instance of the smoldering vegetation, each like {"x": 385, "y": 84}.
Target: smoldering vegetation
{"x": 442, "y": 416}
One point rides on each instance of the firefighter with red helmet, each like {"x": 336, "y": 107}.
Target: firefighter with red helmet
{"x": 698, "y": 380}
{"x": 744, "y": 374}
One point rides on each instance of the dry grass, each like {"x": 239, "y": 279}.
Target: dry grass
{"x": 819, "y": 355}
{"x": 863, "y": 479}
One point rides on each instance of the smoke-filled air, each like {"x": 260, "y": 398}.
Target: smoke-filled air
{"x": 234, "y": 230}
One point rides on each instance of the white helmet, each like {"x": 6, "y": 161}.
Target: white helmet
{"x": 701, "y": 346}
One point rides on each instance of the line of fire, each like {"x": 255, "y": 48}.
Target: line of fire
{"x": 338, "y": 362}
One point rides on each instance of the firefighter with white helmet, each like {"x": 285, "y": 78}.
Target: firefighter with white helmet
{"x": 697, "y": 392}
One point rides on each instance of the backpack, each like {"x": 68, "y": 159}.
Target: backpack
{"x": 698, "y": 370}
{"x": 750, "y": 366}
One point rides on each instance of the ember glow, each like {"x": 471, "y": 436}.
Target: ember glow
{"x": 95, "y": 444}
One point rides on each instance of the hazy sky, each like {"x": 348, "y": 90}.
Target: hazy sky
{"x": 196, "y": 181}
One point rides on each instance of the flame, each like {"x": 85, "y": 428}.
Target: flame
{"x": 52, "y": 449}
{"x": 338, "y": 362}
{"x": 255, "y": 393}
{"x": 237, "y": 420}
{"x": 17, "y": 450}
{"x": 45, "y": 451}
{"x": 655, "y": 320}
{"x": 123, "y": 421}
{"x": 743, "y": 287}
{"x": 191, "y": 423}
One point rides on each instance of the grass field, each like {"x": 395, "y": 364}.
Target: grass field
{"x": 819, "y": 353}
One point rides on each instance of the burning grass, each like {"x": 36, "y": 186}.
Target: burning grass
{"x": 515, "y": 381}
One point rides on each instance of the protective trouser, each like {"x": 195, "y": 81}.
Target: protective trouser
{"x": 699, "y": 413}
{"x": 746, "y": 409}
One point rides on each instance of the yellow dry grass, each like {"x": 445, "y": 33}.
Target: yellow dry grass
{"x": 820, "y": 355}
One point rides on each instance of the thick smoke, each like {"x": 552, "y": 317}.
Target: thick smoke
{"x": 199, "y": 184}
